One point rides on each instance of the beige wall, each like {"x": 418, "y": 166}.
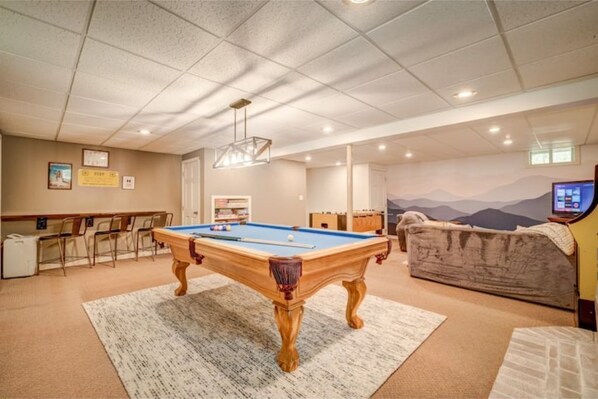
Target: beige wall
{"x": 25, "y": 174}
{"x": 274, "y": 188}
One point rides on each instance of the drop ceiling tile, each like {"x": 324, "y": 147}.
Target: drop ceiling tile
{"x": 201, "y": 127}
{"x": 129, "y": 143}
{"x": 569, "y": 30}
{"x": 136, "y": 139}
{"x": 100, "y": 109}
{"x": 83, "y": 134}
{"x": 574, "y": 64}
{"x": 434, "y": 29}
{"x": 513, "y": 125}
{"x": 23, "y": 125}
{"x": 28, "y": 109}
{"x": 368, "y": 17}
{"x": 331, "y": 106}
{"x": 290, "y": 117}
{"x": 317, "y": 129}
{"x": 165, "y": 120}
{"x": 33, "y": 73}
{"x": 489, "y": 86}
{"x": 388, "y": 89}
{"x": 27, "y": 37}
{"x": 115, "y": 64}
{"x": 21, "y": 92}
{"x": 134, "y": 127}
{"x": 66, "y": 14}
{"x": 415, "y": 105}
{"x": 93, "y": 121}
{"x": 464, "y": 140}
{"x": 366, "y": 118}
{"x": 295, "y": 87}
{"x": 480, "y": 59}
{"x": 291, "y": 33}
{"x": 102, "y": 89}
{"x": 352, "y": 64}
{"x": 148, "y": 30}
{"x": 517, "y": 13}
{"x": 217, "y": 17}
{"x": 239, "y": 68}
{"x": 194, "y": 95}
{"x": 566, "y": 126}
{"x": 427, "y": 145}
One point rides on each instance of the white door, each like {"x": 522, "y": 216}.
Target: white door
{"x": 191, "y": 191}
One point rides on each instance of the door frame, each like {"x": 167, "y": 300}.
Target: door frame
{"x": 183, "y": 163}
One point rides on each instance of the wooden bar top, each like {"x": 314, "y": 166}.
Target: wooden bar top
{"x": 19, "y": 218}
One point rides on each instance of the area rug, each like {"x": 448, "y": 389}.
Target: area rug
{"x": 220, "y": 340}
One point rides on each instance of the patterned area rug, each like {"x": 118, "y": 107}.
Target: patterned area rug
{"x": 220, "y": 340}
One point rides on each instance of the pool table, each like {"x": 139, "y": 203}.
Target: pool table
{"x": 287, "y": 270}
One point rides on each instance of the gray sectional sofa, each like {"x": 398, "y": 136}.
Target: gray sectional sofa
{"x": 515, "y": 264}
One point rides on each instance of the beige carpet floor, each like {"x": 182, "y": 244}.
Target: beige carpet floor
{"x": 48, "y": 347}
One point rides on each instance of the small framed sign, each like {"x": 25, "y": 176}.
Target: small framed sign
{"x": 128, "y": 182}
{"x": 96, "y": 158}
{"x": 60, "y": 176}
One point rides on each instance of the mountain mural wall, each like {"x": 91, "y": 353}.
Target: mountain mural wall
{"x": 501, "y": 216}
{"x": 497, "y": 192}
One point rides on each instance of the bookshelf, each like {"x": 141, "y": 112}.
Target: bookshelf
{"x": 231, "y": 208}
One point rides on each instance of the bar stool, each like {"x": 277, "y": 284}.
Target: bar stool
{"x": 118, "y": 225}
{"x": 157, "y": 220}
{"x": 70, "y": 230}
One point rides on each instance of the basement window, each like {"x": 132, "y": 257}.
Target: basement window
{"x": 556, "y": 156}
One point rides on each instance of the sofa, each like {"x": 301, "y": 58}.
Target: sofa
{"x": 524, "y": 264}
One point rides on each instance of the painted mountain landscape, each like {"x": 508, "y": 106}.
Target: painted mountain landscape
{"x": 480, "y": 211}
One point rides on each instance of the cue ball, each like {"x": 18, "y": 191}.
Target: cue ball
{"x": 290, "y": 237}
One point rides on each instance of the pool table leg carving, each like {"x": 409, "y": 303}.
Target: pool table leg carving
{"x": 356, "y": 290}
{"x": 180, "y": 271}
{"x": 289, "y": 323}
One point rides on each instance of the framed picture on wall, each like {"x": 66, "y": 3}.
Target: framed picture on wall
{"x": 60, "y": 176}
{"x": 128, "y": 182}
{"x": 96, "y": 158}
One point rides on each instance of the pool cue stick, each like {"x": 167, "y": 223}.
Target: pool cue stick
{"x": 254, "y": 240}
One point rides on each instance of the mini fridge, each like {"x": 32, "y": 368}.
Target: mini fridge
{"x": 20, "y": 256}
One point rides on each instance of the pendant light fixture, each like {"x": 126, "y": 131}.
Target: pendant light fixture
{"x": 245, "y": 152}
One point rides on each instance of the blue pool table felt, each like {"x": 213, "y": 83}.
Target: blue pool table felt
{"x": 322, "y": 239}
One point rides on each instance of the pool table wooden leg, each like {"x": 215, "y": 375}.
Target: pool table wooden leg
{"x": 180, "y": 271}
{"x": 356, "y": 290}
{"x": 289, "y": 323}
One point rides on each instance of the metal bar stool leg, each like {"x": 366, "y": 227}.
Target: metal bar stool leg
{"x": 137, "y": 247}
{"x": 61, "y": 250}
{"x": 87, "y": 251}
{"x": 95, "y": 248}
{"x": 112, "y": 251}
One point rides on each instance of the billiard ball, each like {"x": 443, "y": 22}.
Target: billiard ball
{"x": 228, "y": 228}
{"x": 290, "y": 237}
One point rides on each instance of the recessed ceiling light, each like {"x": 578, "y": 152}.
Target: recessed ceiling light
{"x": 307, "y": 158}
{"x": 465, "y": 94}
{"x": 408, "y": 154}
{"x": 508, "y": 140}
{"x": 144, "y": 131}
{"x": 494, "y": 129}
{"x": 327, "y": 129}
{"x": 358, "y": 2}
{"x": 382, "y": 147}
{"x": 338, "y": 163}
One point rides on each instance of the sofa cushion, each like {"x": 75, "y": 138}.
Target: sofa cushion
{"x": 559, "y": 234}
